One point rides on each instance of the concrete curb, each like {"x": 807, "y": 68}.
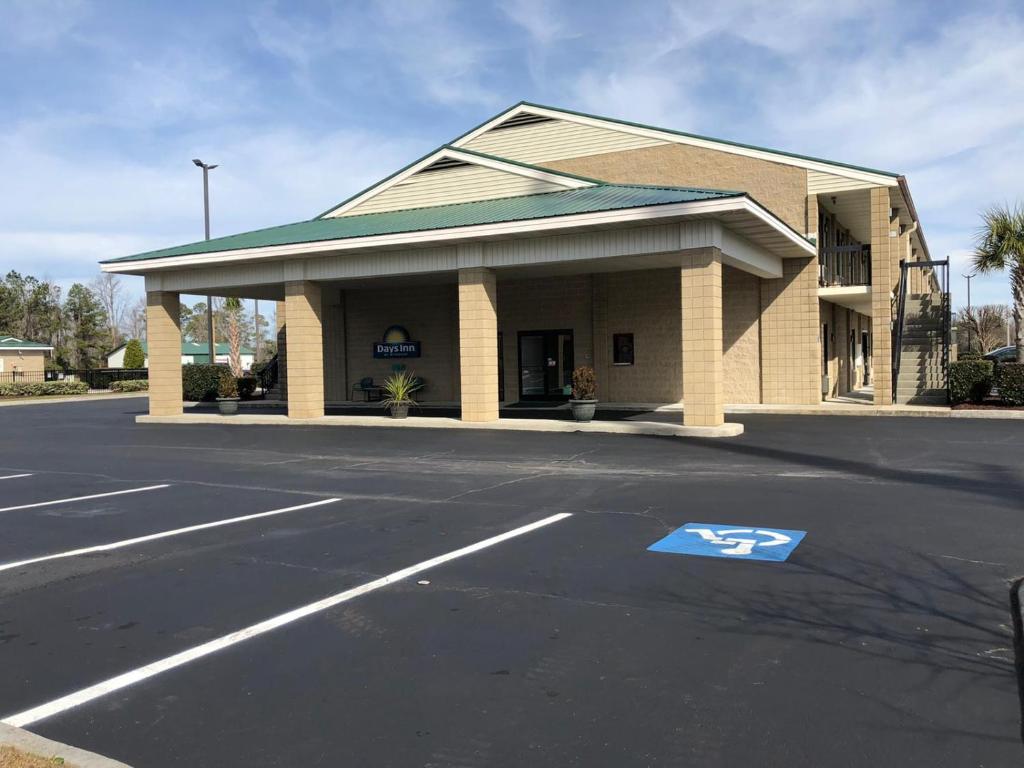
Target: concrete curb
{"x": 423, "y": 422}
{"x": 913, "y": 411}
{"x": 832, "y": 409}
{"x": 70, "y": 399}
{"x": 29, "y": 742}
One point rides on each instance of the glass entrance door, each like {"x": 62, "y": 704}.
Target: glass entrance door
{"x": 545, "y": 365}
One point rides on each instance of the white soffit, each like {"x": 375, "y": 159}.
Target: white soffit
{"x": 855, "y": 297}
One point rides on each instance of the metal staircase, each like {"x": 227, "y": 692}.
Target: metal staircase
{"x": 270, "y": 382}
{"x": 921, "y": 335}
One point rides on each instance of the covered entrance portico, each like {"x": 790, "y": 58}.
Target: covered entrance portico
{"x": 635, "y": 293}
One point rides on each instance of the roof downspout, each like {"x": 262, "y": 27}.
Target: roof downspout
{"x": 905, "y": 191}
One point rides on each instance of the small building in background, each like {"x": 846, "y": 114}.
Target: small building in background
{"x": 190, "y": 353}
{"x": 22, "y": 360}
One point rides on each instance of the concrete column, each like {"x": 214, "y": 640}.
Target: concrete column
{"x": 884, "y": 274}
{"x": 703, "y": 370}
{"x": 279, "y": 315}
{"x": 163, "y": 334}
{"x": 790, "y": 335}
{"x": 478, "y": 344}
{"x": 280, "y": 321}
{"x": 305, "y": 360}
{"x": 812, "y": 218}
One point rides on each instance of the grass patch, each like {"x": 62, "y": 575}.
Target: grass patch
{"x": 15, "y": 758}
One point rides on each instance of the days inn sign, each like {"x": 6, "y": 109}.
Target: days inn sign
{"x": 396, "y": 343}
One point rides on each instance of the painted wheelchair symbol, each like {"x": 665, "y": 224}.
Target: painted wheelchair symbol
{"x": 740, "y": 541}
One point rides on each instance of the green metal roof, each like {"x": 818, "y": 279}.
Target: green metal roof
{"x": 192, "y": 348}
{"x": 12, "y": 342}
{"x": 605, "y": 197}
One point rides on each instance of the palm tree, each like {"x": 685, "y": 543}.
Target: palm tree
{"x": 999, "y": 246}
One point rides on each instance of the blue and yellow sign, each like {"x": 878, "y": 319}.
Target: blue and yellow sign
{"x": 396, "y": 343}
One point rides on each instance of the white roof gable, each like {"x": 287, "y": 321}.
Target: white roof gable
{"x": 452, "y": 175}
{"x": 571, "y": 128}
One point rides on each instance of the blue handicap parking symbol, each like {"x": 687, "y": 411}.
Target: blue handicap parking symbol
{"x": 717, "y": 540}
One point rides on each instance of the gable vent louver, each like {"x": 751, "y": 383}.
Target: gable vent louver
{"x": 444, "y": 164}
{"x": 522, "y": 119}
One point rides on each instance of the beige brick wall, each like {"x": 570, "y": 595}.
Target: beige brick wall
{"x": 23, "y": 362}
{"x": 478, "y": 344}
{"x": 544, "y": 304}
{"x": 646, "y": 304}
{"x": 841, "y": 321}
{"x": 282, "y": 349}
{"x": 428, "y": 312}
{"x": 741, "y": 335}
{"x": 884, "y": 274}
{"x": 305, "y": 359}
{"x": 163, "y": 336}
{"x": 811, "y": 227}
{"x": 827, "y": 324}
{"x": 335, "y": 347}
{"x": 863, "y": 324}
{"x": 703, "y": 374}
{"x": 781, "y": 188}
{"x": 790, "y": 345}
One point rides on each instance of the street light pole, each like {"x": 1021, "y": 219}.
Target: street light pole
{"x": 206, "y": 222}
{"x": 970, "y": 316}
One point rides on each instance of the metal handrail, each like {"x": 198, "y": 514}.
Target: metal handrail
{"x": 844, "y": 265}
{"x": 268, "y": 375}
{"x": 897, "y": 331}
{"x": 901, "y": 308}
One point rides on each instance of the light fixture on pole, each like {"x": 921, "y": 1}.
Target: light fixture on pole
{"x": 970, "y": 315}
{"x": 206, "y": 221}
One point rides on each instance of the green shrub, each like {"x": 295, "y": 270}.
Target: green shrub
{"x": 970, "y": 380}
{"x": 134, "y": 357}
{"x": 969, "y": 355}
{"x": 200, "y": 381}
{"x": 43, "y": 388}
{"x": 247, "y": 386}
{"x": 1009, "y": 380}
{"x": 130, "y": 385}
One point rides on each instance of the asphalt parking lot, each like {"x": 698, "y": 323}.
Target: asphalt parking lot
{"x": 266, "y": 596}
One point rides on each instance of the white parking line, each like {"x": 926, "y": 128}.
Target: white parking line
{"x": 162, "y": 535}
{"x": 29, "y": 716}
{"x": 82, "y": 498}
{"x": 15, "y": 477}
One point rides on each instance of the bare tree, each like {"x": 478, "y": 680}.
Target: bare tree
{"x": 233, "y": 321}
{"x": 135, "y": 324}
{"x": 986, "y": 325}
{"x": 110, "y": 292}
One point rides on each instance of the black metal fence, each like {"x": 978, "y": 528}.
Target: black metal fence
{"x": 96, "y": 378}
{"x": 1017, "y": 621}
{"x": 27, "y": 376}
{"x": 844, "y": 265}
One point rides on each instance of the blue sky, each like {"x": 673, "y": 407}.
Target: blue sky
{"x": 303, "y": 103}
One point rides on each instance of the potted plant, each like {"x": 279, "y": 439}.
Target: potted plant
{"x": 398, "y": 389}
{"x": 227, "y": 394}
{"x": 584, "y": 393}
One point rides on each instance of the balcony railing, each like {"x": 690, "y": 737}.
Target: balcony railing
{"x": 844, "y": 265}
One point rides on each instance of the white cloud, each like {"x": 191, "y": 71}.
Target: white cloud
{"x": 39, "y": 23}
{"x": 541, "y": 19}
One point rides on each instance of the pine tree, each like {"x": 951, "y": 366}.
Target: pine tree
{"x": 134, "y": 357}
{"x": 86, "y": 324}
